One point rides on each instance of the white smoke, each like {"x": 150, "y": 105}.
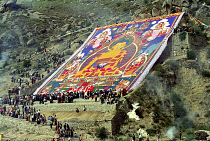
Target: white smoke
{"x": 171, "y": 132}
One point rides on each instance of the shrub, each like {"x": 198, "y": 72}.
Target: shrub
{"x": 102, "y": 133}
{"x": 186, "y": 123}
{"x": 179, "y": 110}
{"x": 119, "y": 3}
{"x": 88, "y": 23}
{"x": 88, "y": 132}
{"x": 190, "y": 138}
{"x": 125, "y": 9}
{"x": 200, "y": 31}
{"x": 3, "y": 25}
{"x": 175, "y": 98}
{"x": 44, "y": 65}
{"x": 146, "y": 1}
{"x": 192, "y": 11}
{"x": 13, "y": 57}
{"x": 142, "y": 126}
{"x": 151, "y": 131}
{"x": 25, "y": 52}
{"x": 26, "y": 63}
{"x": 203, "y": 127}
{"x": 39, "y": 49}
{"x": 207, "y": 2}
{"x": 69, "y": 52}
{"x": 207, "y": 114}
{"x": 208, "y": 54}
{"x": 120, "y": 139}
{"x": 182, "y": 36}
{"x": 205, "y": 73}
{"x": 173, "y": 65}
{"x": 191, "y": 55}
{"x": 160, "y": 70}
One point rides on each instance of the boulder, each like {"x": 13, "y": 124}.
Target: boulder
{"x": 142, "y": 16}
{"x": 22, "y": 40}
{"x": 7, "y": 67}
{"x": 156, "y": 2}
{"x": 176, "y": 2}
{"x": 66, "y": 27}
{"x": 185, "y": 3}
{"x": 92, "y": 14}
{"x": 154, "y": 12}
{"x": 138, "y": 11}
{"x": 164, "y": 4}
{"x": 185, "y": 9}
{"x": 208, "y": 34}
{"x": 194, "y": 5}
{"x": 1, "y": 9}
{"x": 71, "y": 19}
{"x": 2, "y": 64}
{"x": 31, "y": 42}
{"x": 10, "y": 3}
{"x": 29, "y": 34}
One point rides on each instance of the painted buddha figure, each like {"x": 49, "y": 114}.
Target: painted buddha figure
{"x": 109, "y": 60}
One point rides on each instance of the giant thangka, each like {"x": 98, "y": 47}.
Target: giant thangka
{"x": 114, "y": 57}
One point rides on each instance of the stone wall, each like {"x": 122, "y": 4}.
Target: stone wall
{"x": 79, "y": 103}
{"x": 119, "y": 117}
{"x": 179, "y": 47}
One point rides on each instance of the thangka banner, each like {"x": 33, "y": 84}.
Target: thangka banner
{"x": 114, "y": 57}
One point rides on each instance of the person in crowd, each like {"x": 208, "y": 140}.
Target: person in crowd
{"x": 84, "y": 108}
{"x": 77, "y": 110}
{"x": 80, "y": 138}
{"x": 140, "y": 137}
{"x": 180, "y": 135}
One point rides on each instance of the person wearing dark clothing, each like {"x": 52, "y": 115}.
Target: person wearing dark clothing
{"x": 68, "y": 128}
{"x": 51, "y": 123}
{"x": 77, "y": 110}
{"x": 133, "y": 138}
{"x": 64, "y": 126}
{"x": 72, "y": 132}
{"x": 180, "y": 135}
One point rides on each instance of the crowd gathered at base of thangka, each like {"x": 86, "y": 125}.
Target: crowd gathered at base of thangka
{"x": 108, "y": 96}
{"x": 22, "y": 107}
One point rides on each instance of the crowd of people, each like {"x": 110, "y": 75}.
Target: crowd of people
{"x": 23, "y": 79}
{"x": 24, "y": 110}
{"x": 22, "y": 107}
{"x": 108, "y": 96}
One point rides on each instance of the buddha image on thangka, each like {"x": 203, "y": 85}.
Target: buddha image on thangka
{"x": 113, "y": 57}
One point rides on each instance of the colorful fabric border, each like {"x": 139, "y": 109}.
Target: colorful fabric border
{"x": 114, "y": 57}
{"x": 196, "y": 21}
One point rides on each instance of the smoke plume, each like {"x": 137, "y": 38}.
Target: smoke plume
{"x": 171, "y": 132}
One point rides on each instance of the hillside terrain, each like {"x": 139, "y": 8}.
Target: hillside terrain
{"x": 176, "y": 92}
